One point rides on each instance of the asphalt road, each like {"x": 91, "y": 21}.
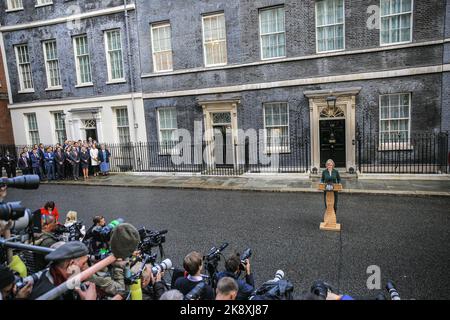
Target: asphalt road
{"x": 407, "y": 237}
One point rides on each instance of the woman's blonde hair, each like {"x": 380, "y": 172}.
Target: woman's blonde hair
{"x": 71, "y": 216}
{"x": 330, "y": 161}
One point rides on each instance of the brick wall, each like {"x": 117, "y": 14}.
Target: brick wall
{"x": 6, "y": 133}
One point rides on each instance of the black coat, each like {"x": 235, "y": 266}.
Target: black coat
{"x": 100, "y": 156}
{"x": 60, "y": 158}
{"x": 24, "y": 164}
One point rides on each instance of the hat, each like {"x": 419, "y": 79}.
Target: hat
{"x": 6, "y": 277}
{"x": 69, "y": 250}
{"x": 124, "y": 240}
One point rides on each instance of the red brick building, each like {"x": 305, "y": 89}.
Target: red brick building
{"x": 6, "y": 132}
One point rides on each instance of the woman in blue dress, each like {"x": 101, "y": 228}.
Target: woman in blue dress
{"x": 103, "y": 156}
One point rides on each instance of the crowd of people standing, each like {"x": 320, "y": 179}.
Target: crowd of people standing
{"x": 72, "y": 160}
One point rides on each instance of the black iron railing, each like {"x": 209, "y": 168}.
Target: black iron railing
{"x": 420, "y": 153}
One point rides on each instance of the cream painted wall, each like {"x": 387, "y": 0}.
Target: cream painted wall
{"x": 106, "y": 120}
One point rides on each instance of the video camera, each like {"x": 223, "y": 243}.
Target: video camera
{"x": 211, "y": 261}
{"x": 321, "y": 289}
{"x": 151, "y": 239}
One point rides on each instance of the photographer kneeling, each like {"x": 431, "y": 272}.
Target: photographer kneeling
{"x": 233, "y": 266}
{"x": 193, "y": 264}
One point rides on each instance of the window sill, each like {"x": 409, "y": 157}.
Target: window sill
{"x": 84, "y": 85}
{"x": 274, "y": 58}
{"x": 162, "y": 71}
{"x": 215, "y": 65}
{"x": 54, "y": 88}
{"x": 395, "y": 147}
{"x": 394, "y": 43}
{"x": 43, "y": 5}
{"x": 116, "y": 81}
{"x": 26, "y": 91}
{"x": 330, "y": 51}
{"x": 14, "y": 10}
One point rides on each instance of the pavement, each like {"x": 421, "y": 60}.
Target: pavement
{"x": 272, "y": 183}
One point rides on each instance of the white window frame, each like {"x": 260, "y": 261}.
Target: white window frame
{"x": 153, "y": 27}
{"x": 261, "y": 35}
{"x": 108, "y": 59}
{"x": 118, "y": 127}
{"x": 329, "y": 25}
{"x": 21, "y": 80}
{"x": 398, "y": 14}
{"x": 207, "y": 16}
{"x": 30, "y": 140}
{"x": 388, "y": 146}
{"x": 9, "y": 6}
{"x": 166, "y": 151}
{"x": 43, "y": 3}
{"x": 49, "y": 87}
{"x": 56, "y": 127}
{"x": 77, "y": 64}
{"x": 276, "y": 149}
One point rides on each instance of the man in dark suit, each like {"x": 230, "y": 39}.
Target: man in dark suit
{"x": 60, "y": 159}
{"x": 74, "y": 157}
{"x": 41, "y": 152}
{"x": 9, "y": 162}
{"x": 36, "y": 163}
{"x": 24, "y": 164}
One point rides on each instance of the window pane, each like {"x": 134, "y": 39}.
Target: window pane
{"x": 214, "y": 40}
{"x": 273, "y": 40}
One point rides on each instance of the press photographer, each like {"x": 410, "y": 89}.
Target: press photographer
{"x": 227, "y": 289}
{"x": 234, "y": 265}
{"x": 193, "y": 265}
{"x": 8, "y": 287}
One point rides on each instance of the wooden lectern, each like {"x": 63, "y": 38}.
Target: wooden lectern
{"x": 329, "y": 223}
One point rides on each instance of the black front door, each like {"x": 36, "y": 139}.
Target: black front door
{"x": 332, "y": 142}
{"x": 223, "y": 148}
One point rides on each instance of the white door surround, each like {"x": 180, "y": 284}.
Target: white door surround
{"x": 346, "y": 102}
{"x": 220, "y": 106}
{"x": 77, "y": 123}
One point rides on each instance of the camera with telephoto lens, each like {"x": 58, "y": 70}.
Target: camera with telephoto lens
{"x": 161, "y": 267}
{"x": 244, "y": 256}
{"x": 214, "y": 253}
{"x": 22, "y": 282}
{"x": 197, "y": 292}
{"x": 321, "y": 289}
{"x": 393, "y": 293}
{"x": 22, "y": 217}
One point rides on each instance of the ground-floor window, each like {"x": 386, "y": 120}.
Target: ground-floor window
{"x": 33, "y": 130}
{"x": 276, "y": 125}
{"x": 60, "y": 128}
{"x": 123, "y": 126}
{"x": 395, "y": 111}
{"x": 167, "y": 124}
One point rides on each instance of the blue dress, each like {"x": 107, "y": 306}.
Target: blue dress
{"x": 104, "y": 166}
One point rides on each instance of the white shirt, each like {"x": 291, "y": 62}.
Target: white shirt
{"x": 94, "y": 155}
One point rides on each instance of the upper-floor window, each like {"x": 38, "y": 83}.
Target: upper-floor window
{"x": 14, "y": 4}
{"x": 395, "y": 113}
{"x": 114, "y": 57}
{"x": 272, "y": 33}
{"x": 276, "y": 127}
{"x": 33, "y": 130}
{"x": 214, "y": 40}
{"x": 162, "y": 47}
{"x": 60, "y": 127}
{"x": 43, "y": 2}
{"x": 396, "y": 21}
{"x": 82, "y": 60}
{"x": 330, "y": 25}
{"x": 24, "y": 68}
{"x": 52, "y": 64}
{"x": 123, "y": 126}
